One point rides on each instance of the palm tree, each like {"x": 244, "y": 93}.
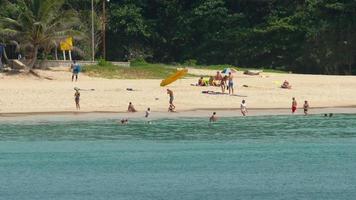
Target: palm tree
{"x": 40, "y": 24}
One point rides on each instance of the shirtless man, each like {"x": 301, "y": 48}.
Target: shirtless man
{"x": 213, "y": 118}
{"x": 294, "y": 105}
{"x": 131, "y": 108}
{"x": 171, "y": 98}
{"x": 306, "y": 107}
{"x": 231, "y": 83}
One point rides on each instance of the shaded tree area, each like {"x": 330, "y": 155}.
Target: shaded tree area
{"x": 308, "y": 36}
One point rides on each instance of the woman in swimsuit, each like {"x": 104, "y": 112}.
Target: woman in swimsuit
{"x": 223, "y": 84}
{"x": 77, "y": 99}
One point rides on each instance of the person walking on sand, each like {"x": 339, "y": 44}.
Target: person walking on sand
{"x": 77, "y": 99}
{"x": 171, "y": 99}
{"x": 306, "y": 107}
{"x": 213, "y": 118}
{"x": 131, "y": 108}
{"x": 243, "y": 108}
{"x": 231, "y": 83}
{"x": 294, "y": 105}
{"x": 75, "y": 70}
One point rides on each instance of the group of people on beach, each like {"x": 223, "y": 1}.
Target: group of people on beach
{"x": 226, "y": 82}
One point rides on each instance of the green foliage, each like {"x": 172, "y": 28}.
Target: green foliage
{"x": 39, "y": 25}
{"x": 136, "y": 71}
{"x": 310, "y": 36}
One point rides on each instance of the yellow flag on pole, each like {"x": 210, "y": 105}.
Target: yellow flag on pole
{"x": 67, "y": 44}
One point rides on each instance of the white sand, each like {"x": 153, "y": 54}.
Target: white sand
{"x": 28, "y": 94}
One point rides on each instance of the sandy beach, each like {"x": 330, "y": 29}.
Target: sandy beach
{"x": 53, "y": 92}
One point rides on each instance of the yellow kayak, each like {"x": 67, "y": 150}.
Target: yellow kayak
{"x": 179, "y": 74}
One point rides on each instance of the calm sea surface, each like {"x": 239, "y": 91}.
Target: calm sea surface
{"x": 279, "y": 157}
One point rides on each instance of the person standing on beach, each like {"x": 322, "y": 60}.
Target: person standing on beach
{"x": 306, "y": 107}
{"x": 223, "y": 84}
{"x": 148, "y": 112}
{"x": 171, "y": 99}
{"x": 213, "y": 118}
{"x": 231, "y": 83}
{"x": 75, "y": 70}
{"x": 77, "y": 99}
{"x": 243, "y": 108}
{"x": 294, "y": 105}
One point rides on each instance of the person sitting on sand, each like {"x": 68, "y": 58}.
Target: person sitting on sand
{"x": 243, "y": 108}
{"x": 213, "y": 118}
{"x": 171, "y": 108}
{"x": 131, "y": 108}
{"x": 77, "y": 99}
{"x": 294, "y": 105}
{"x": 286, "y": 85}
{"x": 201, "y": 82}
{"x": 223, "y": 84}
{"x": 218, "y": 76}
{"x": 306, "y": 107}
{"x": 212, "y": 81}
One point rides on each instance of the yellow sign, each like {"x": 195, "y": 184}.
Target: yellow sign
{"x": 67, "y": 44}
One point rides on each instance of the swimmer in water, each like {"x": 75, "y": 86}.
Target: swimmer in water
{"x": 124, "y": 121}
{"x": 213, "y": 118}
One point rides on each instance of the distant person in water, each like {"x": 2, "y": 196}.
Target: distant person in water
{"x": 124, "y": 121}
{"x": 243, "y": 108}
{"x": 213, "y": 118}
{"x": 306, "y": 107}
{"x": 331, "y": 115}
{"x": 77, "y": 99}
{"x": 131, "y": 108}
{"x": 294, "y": 105}
{"x": 148, "y": 112}
{"x": 75, "y": 70}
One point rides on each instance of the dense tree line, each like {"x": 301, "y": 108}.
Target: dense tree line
{"x": 309, "y": 36}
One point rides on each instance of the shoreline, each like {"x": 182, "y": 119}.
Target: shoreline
{"x": 194, "y": 113}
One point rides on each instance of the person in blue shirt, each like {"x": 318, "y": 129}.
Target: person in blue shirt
{"x": 75, "y": 70}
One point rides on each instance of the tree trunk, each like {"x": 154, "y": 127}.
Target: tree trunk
{"x": 34, "y": 58}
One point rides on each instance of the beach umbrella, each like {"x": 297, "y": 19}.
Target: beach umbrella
{"x": 228, "y": 70}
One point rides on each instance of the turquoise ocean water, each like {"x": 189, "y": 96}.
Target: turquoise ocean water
{"x": 279, "y": 157}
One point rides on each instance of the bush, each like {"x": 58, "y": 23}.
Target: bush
{"x": 138, "y": 61}
{"x": 190, "y": 62}
{"x": 104, "y": 63}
